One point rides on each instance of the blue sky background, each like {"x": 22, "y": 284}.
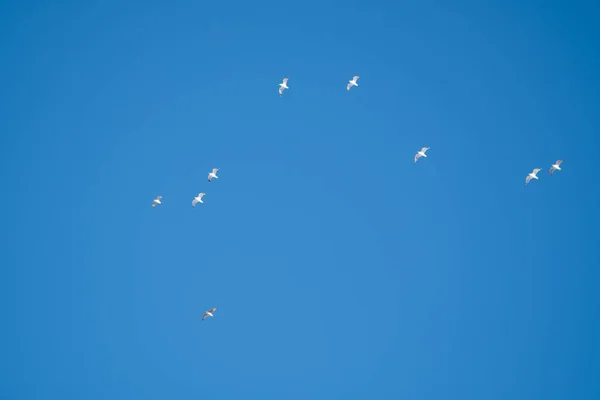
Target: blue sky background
{"x": 341, "y": 269}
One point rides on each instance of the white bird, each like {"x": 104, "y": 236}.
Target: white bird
{"x": 352, "y": 82}
{"x": 532, "y": 175}
{"x": 198, "y": 199}
{"x": 556, "y": 166}
{"x": 421, "y": 153}
{"x": 283, "y": 85}
{"x": 156, "y": 201}
{"x": 213, "y": 174}
{"x": 209, "y": 313}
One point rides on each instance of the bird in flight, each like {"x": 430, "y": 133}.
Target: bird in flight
{"x": 352, "y": 82}
{"x": 283, "y": 85}
{"x": 198, "y": 199}
{"x": 156, "y": 201}
{"x": 555, "y": 166}
{"x": 532, "y": 175}
{"x": 209, "y": 313}
{"x": 421, "y": 153}
{"x": 213, "y": 174}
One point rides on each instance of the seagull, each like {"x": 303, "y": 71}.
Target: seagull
{"x": 556, "y": 166}
{"x": 532, "y": 175}
{"x": 209, "y": 313}
{"x": 213, "y": 174}
{"x": 156, "y": 201}
{"x": 283, "y": 86}
{"x": 421, "y": 153}
{"x": 352, "y": 82}
{"x": 198, "y": 199}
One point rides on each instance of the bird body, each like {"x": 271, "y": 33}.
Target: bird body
{"x": 156, "y": 201}
{"x": 532, "y": 175}
{"x": 209, "y": 313}
{"x": 283, "y": 85}
{"x": 213, "y": 174}
{"x": 198, "y": 199}
{"x": 556, "y": 166}
{"x": 421, "y": 153}
{"x": 352, "y": 82}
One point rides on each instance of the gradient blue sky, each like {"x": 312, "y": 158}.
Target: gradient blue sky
{"x": 341, "y": 269}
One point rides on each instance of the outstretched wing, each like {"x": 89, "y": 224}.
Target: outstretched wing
{"x": 204, "y": 316}
{"x": 209, "y": 177}
{"x": 527, "y": 179}
{"x": 417, "y": 156}
{"x": 552, "y": 169}
{"x": 424, "y": 149}
{"x": 348, "y": 86}
{"x": 159, "y": 198}
{"x": 212, "y": 310}
{"x": 280, "y": 90}
{"x": 285, "y": 81}
{"x": 355, "y": 78}
{"x": 215, "y": 170}
{"x": 194, "y": 202}
{"x": 558, "y": 162}
{"x": 535, "y": 171}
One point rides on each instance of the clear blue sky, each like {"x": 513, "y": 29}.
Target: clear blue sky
{"x": 341, "y": 269}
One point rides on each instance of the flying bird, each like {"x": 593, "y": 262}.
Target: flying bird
{"x": 198, "y": 199}
{"x": 283, "y": 85}
{"x": 156, "y": 201}
{"x": 421, "y": 153}
{"x": 532, "y": 175}
{"x": 556, "y": 166}
{"x": 209, "y": 313}
{"x": 352, "y": 82}
{"x": 213, "y": 174}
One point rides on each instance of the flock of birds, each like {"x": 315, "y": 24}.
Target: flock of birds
{"x": 533, "y": 174}
{"x": 421, "y": 153}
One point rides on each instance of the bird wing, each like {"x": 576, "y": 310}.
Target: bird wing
{"x": 535, "y": 171}
{"x": 201, "y": 195}
{"x": 348, "y": 86}
{"x": 209, "y": 177}
{"x": 552, "y": 169}
{"x": 355, "y": 78}
{"x": 424, "y": 149}
{"x": 280, "y": 90}
{"x": 194, "y": 202}
{"x": 285, "y": 81}
{"x": 215, "y": 170}
{"x": 527, "y": 179}
{"x": 204, "y": 316}
{"x": 417, "y": 156}
{"x": 558, "y": 162}
{"x": 212, "y": 310}
{"x": 159, "y": 198}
